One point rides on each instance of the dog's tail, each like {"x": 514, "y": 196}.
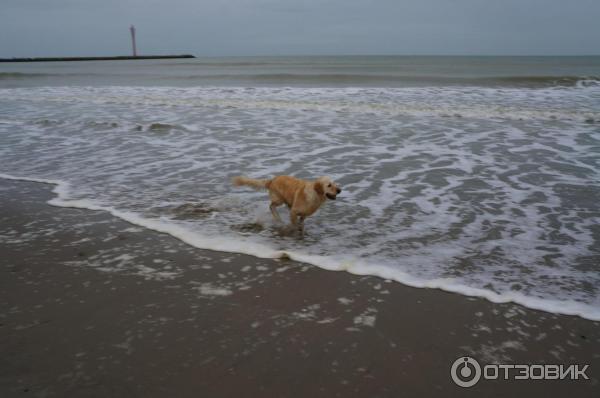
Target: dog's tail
{"x": 251, "y": 182}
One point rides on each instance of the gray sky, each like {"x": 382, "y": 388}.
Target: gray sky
{"x": 286, "y": 27}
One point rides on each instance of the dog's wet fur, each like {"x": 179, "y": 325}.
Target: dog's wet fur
{"x": 302, "y": 197}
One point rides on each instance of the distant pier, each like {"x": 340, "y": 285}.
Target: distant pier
{"x": 117, "y": 58}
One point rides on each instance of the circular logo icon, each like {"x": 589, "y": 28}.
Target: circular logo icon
{"x": 465, "y": 372}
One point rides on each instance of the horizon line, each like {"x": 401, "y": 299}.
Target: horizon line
{"x": 317, "y": 55}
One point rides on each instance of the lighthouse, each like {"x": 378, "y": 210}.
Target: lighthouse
{"x": 132, "y": 30}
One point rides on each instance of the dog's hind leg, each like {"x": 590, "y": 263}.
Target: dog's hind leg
{"x": 293, "y": 217}
{"x": 275, "y": 201}
{"x": 273, "y": 208}
{"x": 297, "y": 220}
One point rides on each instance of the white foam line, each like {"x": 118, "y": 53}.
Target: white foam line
{"x": 330, "y": 263}
{"x": 266, "y": 98}
{"x": 40, "y": 180}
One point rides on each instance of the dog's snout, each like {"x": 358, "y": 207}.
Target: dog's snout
{"x": 338, "y": 190}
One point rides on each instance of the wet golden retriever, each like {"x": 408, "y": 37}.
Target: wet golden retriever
{"x": 302, "y": 197}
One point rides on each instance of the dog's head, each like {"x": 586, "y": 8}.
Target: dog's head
{"x": 325, "y": 186}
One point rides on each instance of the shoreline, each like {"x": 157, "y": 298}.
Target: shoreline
{"x": 208, "y": 243}
{"x": 92, "y": 305}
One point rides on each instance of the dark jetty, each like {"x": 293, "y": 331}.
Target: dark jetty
{"x": 117, "y": 58}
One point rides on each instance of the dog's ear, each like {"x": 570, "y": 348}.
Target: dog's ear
{"x": 319, "y": 188}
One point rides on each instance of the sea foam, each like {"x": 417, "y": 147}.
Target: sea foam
{"x": 479, "y": 191}
{"x": 329, "y": 263}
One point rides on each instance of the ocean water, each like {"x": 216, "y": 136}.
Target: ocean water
{"x": 477, "y": 175}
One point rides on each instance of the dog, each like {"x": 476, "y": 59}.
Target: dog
{"x": 302, "y": 197}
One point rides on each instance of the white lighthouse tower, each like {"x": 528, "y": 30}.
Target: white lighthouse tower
{"x": 132, "y": 30}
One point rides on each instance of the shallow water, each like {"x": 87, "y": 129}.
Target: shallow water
{"x": 483, "y": 190}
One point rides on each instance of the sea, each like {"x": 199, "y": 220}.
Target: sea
{"x": 474, "y": 175}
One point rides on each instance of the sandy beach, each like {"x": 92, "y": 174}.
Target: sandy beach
{"x": 94, "y": 306}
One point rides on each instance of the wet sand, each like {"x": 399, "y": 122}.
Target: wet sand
{"x": 93, "y": 306}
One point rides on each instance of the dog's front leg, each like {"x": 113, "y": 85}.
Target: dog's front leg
{"x": 293, "y": 217}
{"x": 301, "y": 224}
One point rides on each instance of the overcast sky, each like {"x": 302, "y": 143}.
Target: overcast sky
{"x": 286, "y": 27}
